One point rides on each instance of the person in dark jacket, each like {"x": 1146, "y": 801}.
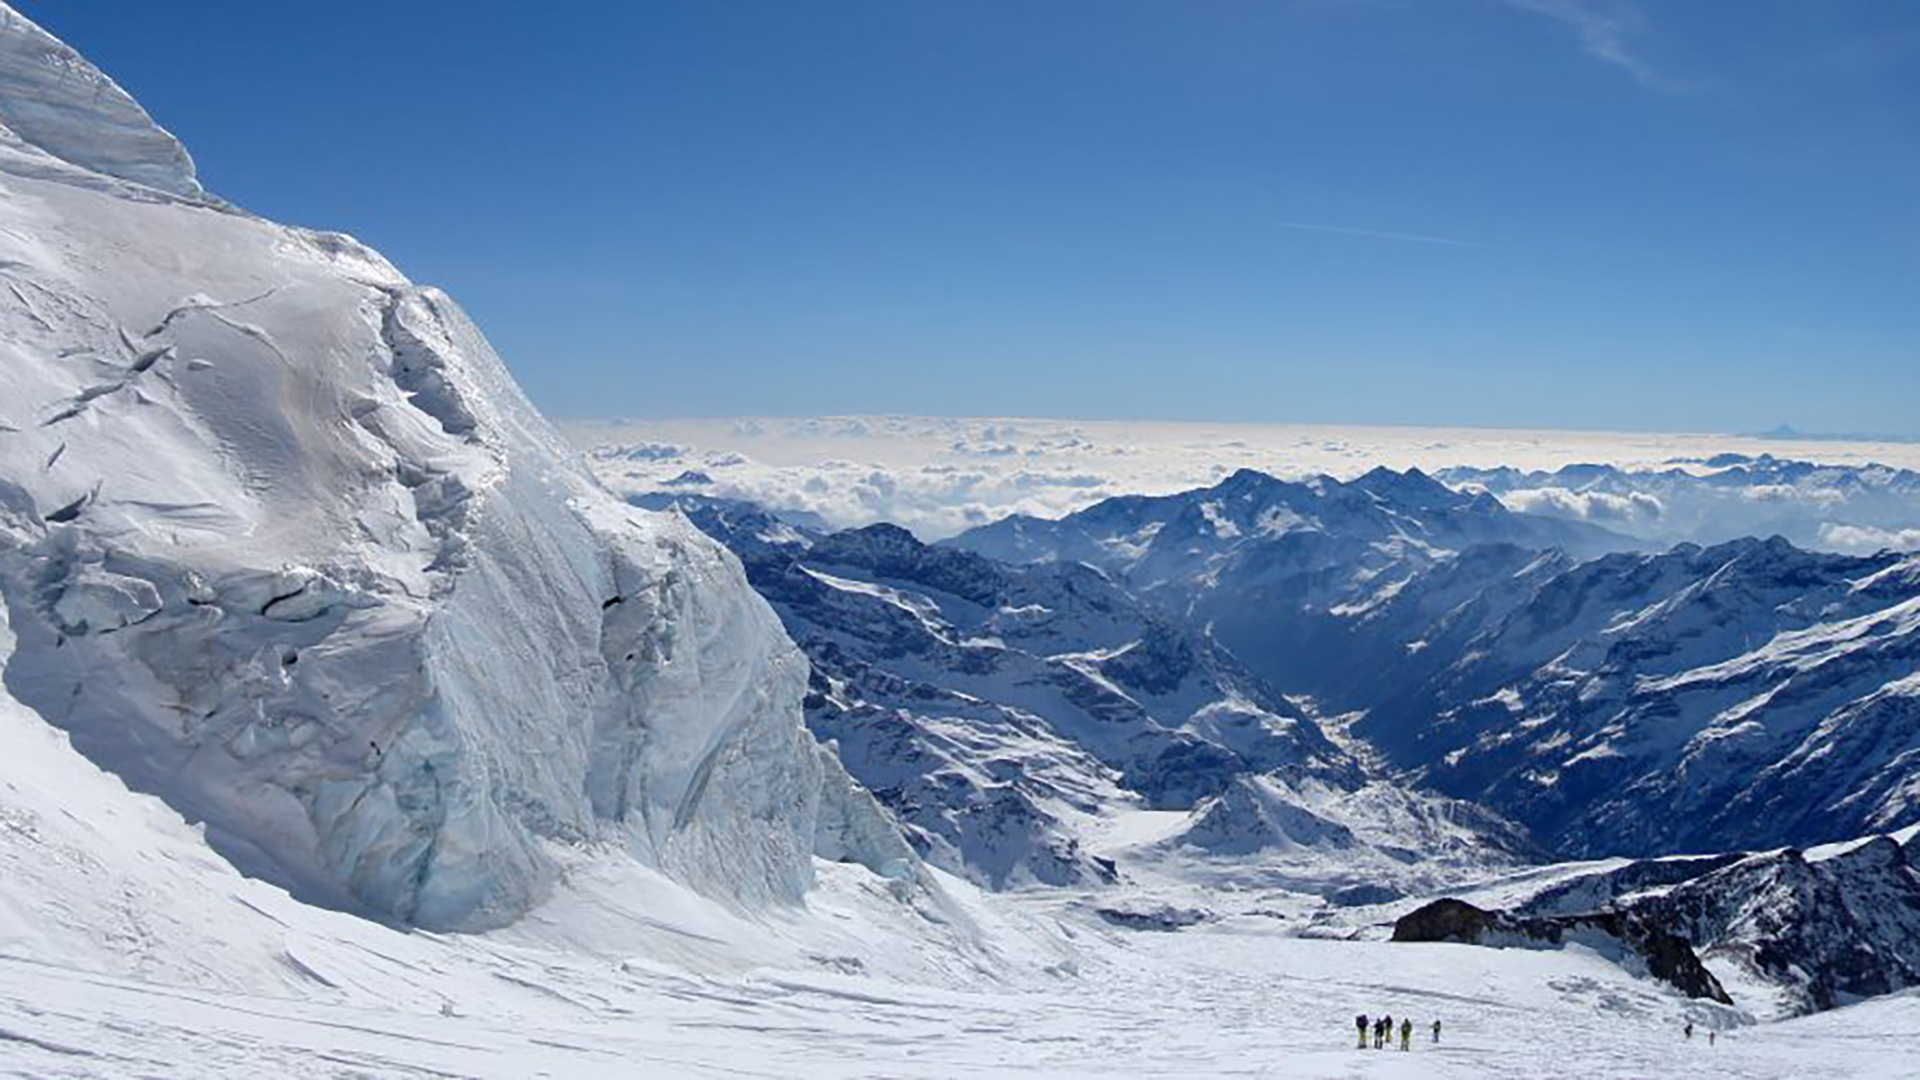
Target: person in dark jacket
{"x": 1361, "y": 1023}
{"x": 1436, "y": 1031}
{"x": 1406, "y": 1034}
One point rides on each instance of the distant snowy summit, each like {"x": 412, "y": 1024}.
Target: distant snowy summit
{"x": 1498, "y": 699}
{"x": 1789, "y": 433}
{"x": 282, "y": 542}
{"x": 1857, "y": 509}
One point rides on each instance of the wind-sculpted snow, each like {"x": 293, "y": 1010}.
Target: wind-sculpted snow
{"x": 52, "y": 101}
{"x": 283, "y": 543}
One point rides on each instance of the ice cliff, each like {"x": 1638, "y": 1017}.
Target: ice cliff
{"x": 283, "y": 543}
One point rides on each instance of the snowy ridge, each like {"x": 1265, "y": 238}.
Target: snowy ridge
{"x": 54, "y": 102}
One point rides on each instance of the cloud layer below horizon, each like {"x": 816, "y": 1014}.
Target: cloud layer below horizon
{"x": 939, "y": 476}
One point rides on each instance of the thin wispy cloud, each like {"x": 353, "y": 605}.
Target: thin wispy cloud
{"x": 1607, "y": 32}
{"x": 1377, "y": 234}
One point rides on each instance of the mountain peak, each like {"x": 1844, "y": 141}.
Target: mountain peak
{"x": 1412, "y": 487}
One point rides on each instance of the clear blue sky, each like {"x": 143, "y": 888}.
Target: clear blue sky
{"x": 1700, "y": 215}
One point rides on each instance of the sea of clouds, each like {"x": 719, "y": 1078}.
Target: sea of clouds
{"x": 939, "y": 476}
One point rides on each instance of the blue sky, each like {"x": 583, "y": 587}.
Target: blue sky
{"x": 1701, "y": 215}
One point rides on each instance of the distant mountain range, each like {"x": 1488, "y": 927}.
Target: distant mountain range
{"x": 1857, "y": 509}
{"x": 1787, "y": 432}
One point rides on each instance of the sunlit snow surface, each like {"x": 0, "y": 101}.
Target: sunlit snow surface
{"x": 128, "y": 948}
{"x": 939, "y": 476}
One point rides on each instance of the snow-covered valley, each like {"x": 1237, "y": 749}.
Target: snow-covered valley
{"x": 354, "y": 723}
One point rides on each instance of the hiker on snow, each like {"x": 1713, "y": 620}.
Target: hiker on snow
{"x": 1361, "y": 1023}
{"x": 1689, "y": 1029}
{"x": 1436, "y": 1031}
{"x": 1406, "y": 1034}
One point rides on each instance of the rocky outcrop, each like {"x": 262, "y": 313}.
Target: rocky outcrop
{"x": 1637, "y": 942}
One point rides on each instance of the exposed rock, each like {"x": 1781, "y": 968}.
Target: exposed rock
{"x": 1665, "y": 955}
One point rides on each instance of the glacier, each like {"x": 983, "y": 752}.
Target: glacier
{"x": 282, "y": 542}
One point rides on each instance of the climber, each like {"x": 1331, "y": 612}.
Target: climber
{"x": 1361, "y": 1023}
{"x": 1689, "y": 1029}
{"x": 1386, "y": 1032}
{"x": 1406, "y": 1034}
{"x": 1712, "y": 1035}
{"x": 1436, "y": 1031}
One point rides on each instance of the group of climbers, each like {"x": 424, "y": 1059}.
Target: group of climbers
{"x": 1381, "y": 1030}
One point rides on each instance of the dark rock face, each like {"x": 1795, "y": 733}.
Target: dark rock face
{"x": 1827, "y": 929}
{"x": 1667, "y": 956}
{"x": 889, "y": 552}
{"x": 1164, "y": 918}
{"x": 1830, "y": 930}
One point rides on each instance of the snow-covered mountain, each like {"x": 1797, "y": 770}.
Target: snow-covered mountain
{"x": 282, "y": 543}
{"x": 1858, "y": 509}
{"x": 1329, "y": 538}
{"x": 1743, "y": 696}
{"x": 1294, "y": 578}
{"x": 1006, "y": 712}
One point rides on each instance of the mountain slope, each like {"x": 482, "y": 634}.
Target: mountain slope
{"x": 1013, "y": 715}
{"x": 1743, "y": 696}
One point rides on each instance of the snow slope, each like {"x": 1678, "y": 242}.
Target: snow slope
{"x": 282, "y": 542}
